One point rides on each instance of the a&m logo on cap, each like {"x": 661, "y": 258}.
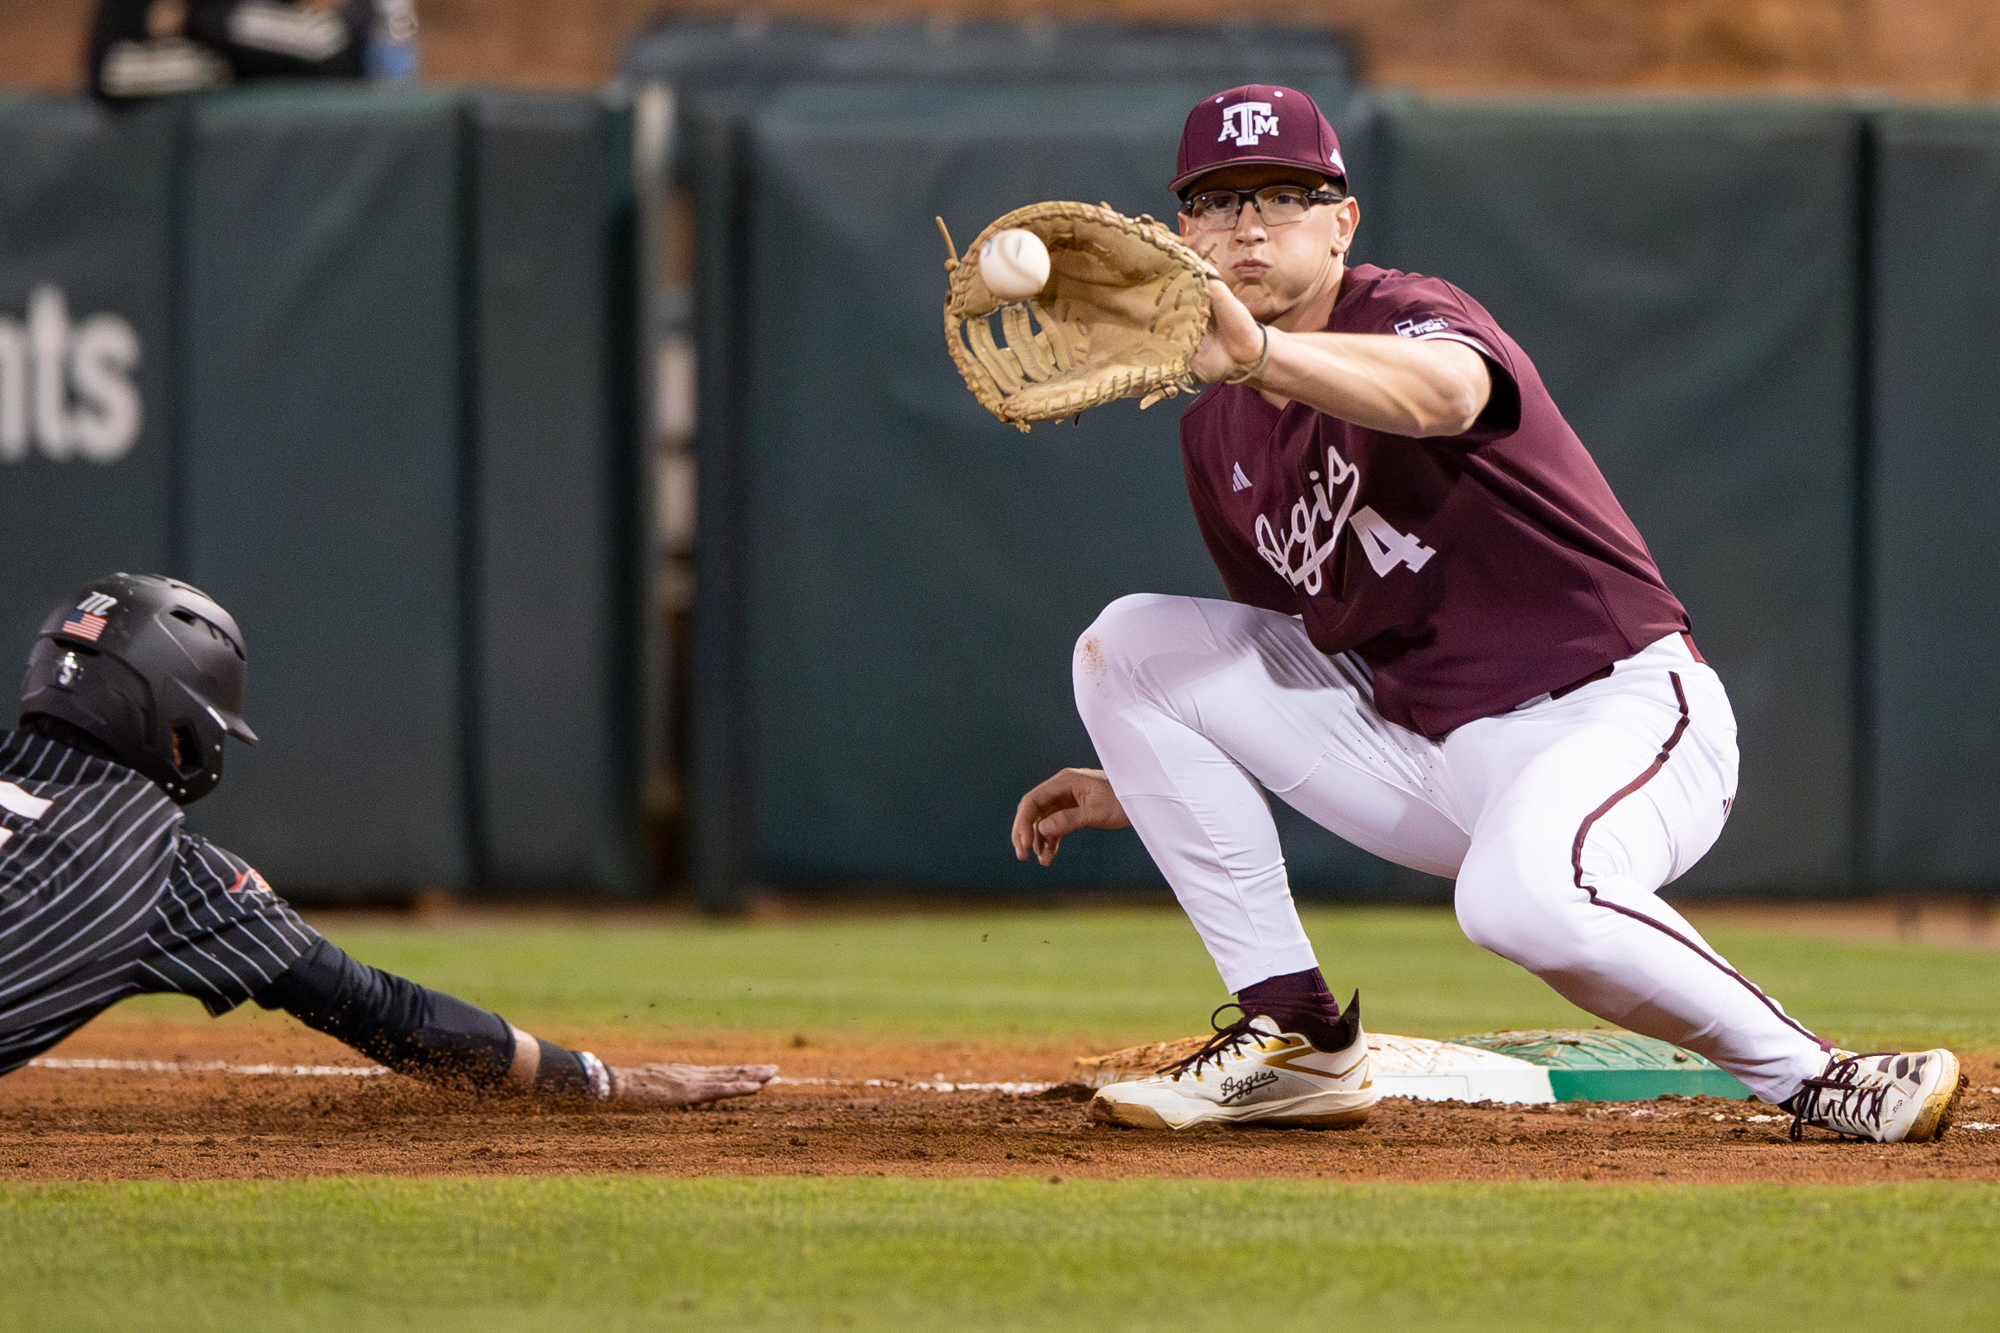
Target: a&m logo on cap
{"x": 1246, "y": 121}
{"x": 1243, "y": 125}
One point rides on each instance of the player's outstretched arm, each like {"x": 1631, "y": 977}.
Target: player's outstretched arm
{"x": 1404, "y": 386}
{"x": 430, "y": 1035}
{"x": 1074, "y": 798}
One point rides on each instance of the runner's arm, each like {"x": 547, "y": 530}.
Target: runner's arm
{"x": 434, "y": 1036}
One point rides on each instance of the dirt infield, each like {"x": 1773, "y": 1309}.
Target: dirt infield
{"x": 108, "y": 1124}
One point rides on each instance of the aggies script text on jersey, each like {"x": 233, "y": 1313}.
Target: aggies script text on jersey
{"x": 1470, "y": 572}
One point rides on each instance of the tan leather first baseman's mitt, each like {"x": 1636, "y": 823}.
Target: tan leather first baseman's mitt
{"x": 1124, "y": 308}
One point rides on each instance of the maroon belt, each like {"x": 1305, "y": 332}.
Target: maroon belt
{"x": 1604, "y": 671}
{"x": 1580, "y": 682}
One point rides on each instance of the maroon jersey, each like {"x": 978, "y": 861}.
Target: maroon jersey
{"x": 1471, "y": 572}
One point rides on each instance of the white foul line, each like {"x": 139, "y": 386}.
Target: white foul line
{"x": 375, "y": 1071}
{"x": 214, "y": 1067}
{"x": 896, "y": 1085}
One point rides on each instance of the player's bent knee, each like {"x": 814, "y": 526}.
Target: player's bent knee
{"x": 1124, "y": 634}
{"x": 1132, "y": 627}
{"x": 1518, "y": 924}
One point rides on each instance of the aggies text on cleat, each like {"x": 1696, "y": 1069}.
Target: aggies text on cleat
{"x": 1885, "y": 1096}
{"x": 1249, "y": 1073}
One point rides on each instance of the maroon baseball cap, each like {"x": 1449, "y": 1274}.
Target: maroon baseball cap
{"x": 1260, "y": 123}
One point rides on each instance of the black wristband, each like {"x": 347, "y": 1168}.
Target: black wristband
{"x": 562, "y": 1071}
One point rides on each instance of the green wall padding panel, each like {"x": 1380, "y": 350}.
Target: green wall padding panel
{"x": 1684, "y": 275}
{"x": 324, "y": 478}
{"x": 86, "y": 231}
{"x": 556, "y": 492}
{"x": 1935, "y": 576}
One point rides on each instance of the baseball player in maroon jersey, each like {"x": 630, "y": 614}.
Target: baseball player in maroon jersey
{"x": 1445, "y": 642}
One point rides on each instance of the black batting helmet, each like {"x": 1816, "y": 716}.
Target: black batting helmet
{"x": 152, "y": 668}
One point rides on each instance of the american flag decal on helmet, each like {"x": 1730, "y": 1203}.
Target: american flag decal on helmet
{"x": 87, "y": 621}
{"x": 83, "y": 625}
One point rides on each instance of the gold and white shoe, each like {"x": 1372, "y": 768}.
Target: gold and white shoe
{"x": 1249, "y": 1073}
{"x": 1887, "y": 1096}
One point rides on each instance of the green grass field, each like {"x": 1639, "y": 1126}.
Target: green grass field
{"x": 1101, "y": 976}
{"x": 781, "y": 1253}
{"x": 617, "y": 1254}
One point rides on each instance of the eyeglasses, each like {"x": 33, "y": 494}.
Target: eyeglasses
{"x": 1278, "y": 205}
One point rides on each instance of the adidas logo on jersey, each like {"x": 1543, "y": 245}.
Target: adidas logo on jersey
{"x": 1237, "y": 481}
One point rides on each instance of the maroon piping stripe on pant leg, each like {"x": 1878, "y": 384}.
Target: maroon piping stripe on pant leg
{"x": 1583, "y": 832}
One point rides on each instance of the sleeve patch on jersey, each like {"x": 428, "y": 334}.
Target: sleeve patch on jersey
{"x": 1417, "y": 328}
{"x": 251, "y": 880}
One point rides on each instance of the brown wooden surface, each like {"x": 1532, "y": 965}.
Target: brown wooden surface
{"x": 1928, "y": 49}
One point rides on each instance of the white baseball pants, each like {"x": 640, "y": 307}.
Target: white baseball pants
{"x": 1559, "y": 819}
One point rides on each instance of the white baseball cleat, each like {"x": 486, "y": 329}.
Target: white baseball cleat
{"x": 1249, "y": 1073}
{"x": 1886, "y": 1096}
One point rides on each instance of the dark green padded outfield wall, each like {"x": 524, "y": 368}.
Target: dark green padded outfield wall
{"x": 1934, "y": 577}
{"x": 87, "y": 227}
{"x": 324, "y": 473}
{"x": 1684, "y": 275}
{"x": 557, "y": 535}
{"x": 363, "y": 362}
{"x": 388, "y": 392}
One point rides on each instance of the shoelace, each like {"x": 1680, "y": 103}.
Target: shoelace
{"x": 1225, "y": 1042}
{"x": 1839, "y": 1079}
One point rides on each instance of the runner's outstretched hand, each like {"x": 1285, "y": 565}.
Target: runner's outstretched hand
{"x": 686, "y": 1085}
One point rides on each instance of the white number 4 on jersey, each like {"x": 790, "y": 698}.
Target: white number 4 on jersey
{"x": 1385, "y": 546}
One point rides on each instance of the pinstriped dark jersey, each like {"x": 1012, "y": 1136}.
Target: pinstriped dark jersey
{"x": 103, "y": 894}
